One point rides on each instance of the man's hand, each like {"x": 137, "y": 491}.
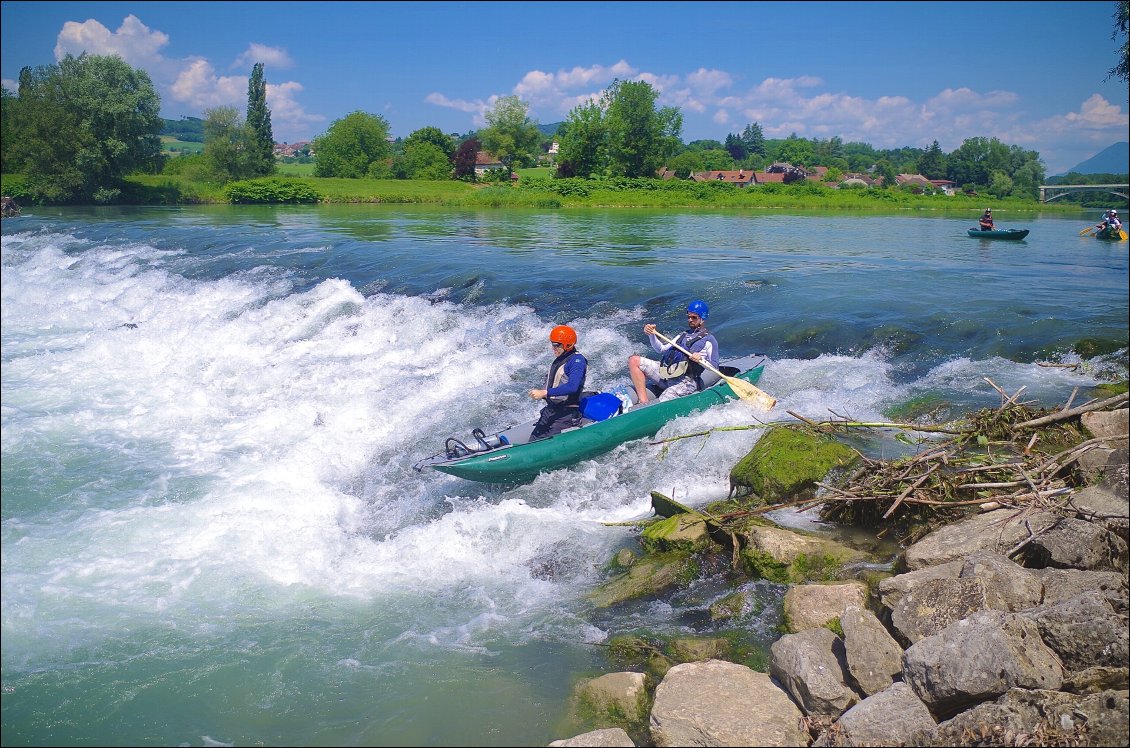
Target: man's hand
{"x": 537, "y": 394}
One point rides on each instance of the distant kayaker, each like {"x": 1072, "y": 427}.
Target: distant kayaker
{"x": 563, "y": 385}
{"x": 675, "y": 372}
{"x": 986, "y": 222}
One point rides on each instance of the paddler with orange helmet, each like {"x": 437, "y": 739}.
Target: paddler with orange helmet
{"x": 563, "y": 385}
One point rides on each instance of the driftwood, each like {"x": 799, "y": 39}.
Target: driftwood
{"x": 992, "y": 458}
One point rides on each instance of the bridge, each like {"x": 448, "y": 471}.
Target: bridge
{"x": 1049, "y": 192}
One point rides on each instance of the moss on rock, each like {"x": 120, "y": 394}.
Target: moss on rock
{"x": 788, "y": 461}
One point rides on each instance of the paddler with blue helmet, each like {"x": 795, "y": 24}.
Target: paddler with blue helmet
{"x": 675, "y": 372}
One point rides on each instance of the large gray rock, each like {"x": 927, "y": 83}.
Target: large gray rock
{"x": 893, "y": 589}
{"x": 1103, "y": 506}
{"x": 810, "y": 665}
{"x": 809, "y": 606}
{"x": 934, "y": 604}
{"x": 1058, "y": 718}
{"x": 1085, "y": 632}
{"x": 1106, "y": 424}
{"x": 1008, "y": 585}
{"x": 874, "y": 658}
{"x": 612, "y": 737}
{"x": 615, "y": 697}
{"x": 1064, "y": 584}
{"x": 1077, "y": 544}
{"x": 979, "y": 658}
{"x": 997, "y": 531}
{"x": 889, "y": 718}
{"x": 723, "y": 704}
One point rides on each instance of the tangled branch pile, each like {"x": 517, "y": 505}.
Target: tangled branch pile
{"x": 1010, "y": 456}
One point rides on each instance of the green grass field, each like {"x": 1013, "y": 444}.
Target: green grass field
{"x": 296, "y": 170}
{"x": 173, "y": 146}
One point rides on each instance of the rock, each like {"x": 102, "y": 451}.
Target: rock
{"x": 1008, "y": 585}
{"x": 616, "y": 698}
{"x": 723, "y": 704}
{"x": 997, "y": 531}
{"x": 1085, "y": 632}
{"x": 683, "y": 532}
{"x": 1077, "y": 544}
{"x": 809, "y": 606}
{"x": 893, "y": 589}
{"x": 694, "y": 650}
{"x": 1064, "y": 584}
{"x": 787, "y": 461}
{"x": 874, "y": 658}
{"x": 1105, "y": 424}
{"x": 1097, "y": 679}
{"x": 648, "y": 576}
{"x": 613, "y": 737}
{"x": 889, "y": 718}
{"x": 1104, "y": 507}
{"x": 1057, "y": 718}
{"x": 977, "y": 659}
{"x": 786, "y": 556}
{"x": 811, "y": 667}
{"x": 934, "y": 604}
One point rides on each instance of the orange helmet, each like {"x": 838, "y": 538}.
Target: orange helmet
{"x": 564, "y": 335}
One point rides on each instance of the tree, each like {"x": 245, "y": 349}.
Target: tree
{"x": 261, "y": 148}
{"x": 736, "y": 147}
{"x": 884, "y": 169}
{"x": 510, "y": 134}
{"x": 932, "y": 163}
{"x": 353, "y": 147}
{"x": 582, "y": 147}
{"x": 1121, "y": 26}
{"x": 433, "y": 135}
{"x": 640, "y": 139}
{"x": 796, "y": 151}
{"x": 422, "y": 160}
{"x": 78, "y": 128}
{"x": 464, "y": 159}
{"x": 228, "y": 144}
{"x": 754, "y": 139}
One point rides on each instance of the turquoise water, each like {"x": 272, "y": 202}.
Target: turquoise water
{"x": 211, "y": 531}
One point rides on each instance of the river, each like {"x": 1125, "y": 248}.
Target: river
{"x": 211, "y": 530}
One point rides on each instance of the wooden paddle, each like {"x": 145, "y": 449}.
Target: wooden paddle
{"x": 1087, "y": 231}
{"x": 1122, "y": 235}
{"x": 741, "y": 388}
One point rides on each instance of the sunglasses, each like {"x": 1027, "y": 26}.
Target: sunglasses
{"x": 557, "y": 345}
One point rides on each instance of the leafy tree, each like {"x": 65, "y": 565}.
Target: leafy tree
{"x": 353, "y": 146}
{"x": 754, "y": 139}
{"x": 422, "y": 160}
{"x": 640, "y": 139}
{"x": 976, "y": 159}
{"x": 1000, "y": 184}
{"x": 510, "y": 133}
{"x": 433, "y": 135}
{"x": 717, "y": 159}
{"x": 932, "y": 163}
{"x": 582, "y": 147}
{"x": 686, "y": 163}
{"x": 76, "y": 129}
{"x": 228, "y": 144}
{"x": 884, "y": 169}
{"x": 464, "y": 159}
{"x": 796, "y": 151}
{"x": 705, "y": 145}
{"x": 1121, "y": 26}
{"x": 261, "y": 148}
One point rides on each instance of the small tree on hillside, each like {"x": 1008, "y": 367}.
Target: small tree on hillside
{"x": 464, "y": 159}
{"x": 355, "y": 146}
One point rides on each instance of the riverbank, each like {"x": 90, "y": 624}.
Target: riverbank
{"x": 541, "y": 192}
{"x": 1007, "y": 624}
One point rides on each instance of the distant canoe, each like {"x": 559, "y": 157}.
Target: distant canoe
{"x": 1013, "y": 234}
{"x": 1106, "y": 234}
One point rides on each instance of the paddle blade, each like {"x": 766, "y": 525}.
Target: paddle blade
{"x": 750, "y": 394}
{"x": 1086, "y": 231}
{"x": 1122, "y": 234}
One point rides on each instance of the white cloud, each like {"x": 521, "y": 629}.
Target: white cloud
{"x": 192, "y": 81}
{"x": 134, "y": 42}
{"x": 271, "y": 57}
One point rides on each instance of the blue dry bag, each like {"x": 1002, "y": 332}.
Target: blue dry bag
{"x": 601, "y": 406}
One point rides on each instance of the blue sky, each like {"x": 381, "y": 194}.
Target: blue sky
{"x": 890, "y": 74}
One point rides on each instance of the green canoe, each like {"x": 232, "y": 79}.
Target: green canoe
{"x": 518, "y": 459}
{"x": 1014, "y": 234}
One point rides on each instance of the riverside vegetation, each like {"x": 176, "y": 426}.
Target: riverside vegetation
{"x": 1002, "y": 621}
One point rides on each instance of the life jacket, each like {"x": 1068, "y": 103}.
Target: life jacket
{"x": 674, "y": 364}
{"x": 556, "y": 378}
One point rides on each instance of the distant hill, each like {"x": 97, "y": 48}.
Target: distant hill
{"x": 550, "y": 129}
{"x": 1114, "y": 159}
{"x": 189, "y": 129}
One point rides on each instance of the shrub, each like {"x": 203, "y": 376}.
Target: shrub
{"x": 270, "y": 190}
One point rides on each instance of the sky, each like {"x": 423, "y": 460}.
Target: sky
{"x": 890, "y": 74}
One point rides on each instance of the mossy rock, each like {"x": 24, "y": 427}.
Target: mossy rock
{"x": 791, "y": 557}
{"x": 1110, "y": 389}
{"x": 683, "y": 532}
{"x": 786, "y": 462}
{"x": 929, "y": 404}
{"x": 649, "y": 576}
{"x": 1091, "y": 347}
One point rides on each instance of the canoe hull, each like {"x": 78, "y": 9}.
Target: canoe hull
{"x": 520, "y": 462}
{"x": 1107, "y": 235}
{"x": 1010, "y": 234}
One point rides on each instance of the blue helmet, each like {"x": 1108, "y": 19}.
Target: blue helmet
{"x": 699, "y": 307}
